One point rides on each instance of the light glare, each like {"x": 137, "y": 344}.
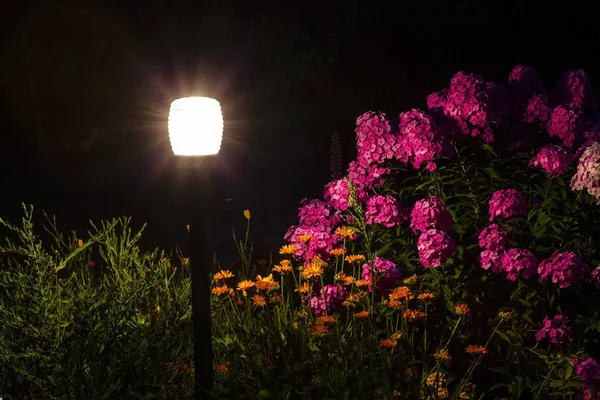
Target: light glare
{"x": 195, "y": 126}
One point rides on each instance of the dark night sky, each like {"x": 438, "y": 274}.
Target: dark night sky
{"x": 287, "y": 75}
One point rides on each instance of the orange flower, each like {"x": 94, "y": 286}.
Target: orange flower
{"x": 426, "y": 297}
{"x": 355, "y": 258}
{"x": 319, "y": 329}
{"x": 462, "y": 309}
{"x": 411, "y": 280}
{"x": 303, "y": 288}
{"x": 276, "y": 297}
{"x": 414, "y": 314}
{"x": 288, "y": 249}
{"x": 362, "y": 282}
{"x": 395, "y": 304}
{"x": 312, "y": 270}
{"x": 401, "y": 294}
{"x": 435, "y": 379}
{"x": 245, "y": 285}
{"x": 343, "y": 278}
{"x": 396, "y": 335}
{"x": 265, "y": 283}
{"x": 259, "y": 301}
{"x": 325, "y": 319}
{"x": 80, "y": 243}
{"x": 443, "y": 356}
{"x": 337, "y": 252}
{"x": 186, "y": 261}
{"x": 286, "y": 263}
{"x": 471, "y": 349}
{"x": 396, "y": 394}
{"x": 219, "y": 290}
{"x": 345, "y": 231}
{"x": 388, "y": 343}
{"x": 305, "y": 238}
{"x": 223, "y": 274}
{"x": 247, "y": 214}
{"x": 158, "y": 309}
{"x": 222, "y": 368}
{"x": 362, "y": 314}
{"x": 302, "y": 314}
{"x": 282, "y": 269}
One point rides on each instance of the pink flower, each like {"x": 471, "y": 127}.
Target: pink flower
{"x": 553, "y": 159}
{"x": 430, "y": 213}
{"x": 422, "y": 139}
{"x": 595, "y": 276}
{"x": 523, "y": 81}
{"x": 507, "y": 203}
{"x": 388, "y": 276}
{"x": 366, "y": 178}
{"x": 320, "y": 244}
{"x": 435, "y": 248}
{"x": 575, "y": 87}
{"x": 564, "y": 268}
{"x": 384, "y": 210}
{"x": 337, "y": 194}
{"x": 554, "y": 329}
{"x": 330, "y": 296}
{"x": 490, "y": 259}
{"x": 566, "y": 123}
{"x": 316, "y": 214}
{"x": 493, "y": 238}
{"x": 537, "y": 109}
{"x": 518, "y": 261}
{"x": 374, "y": 141}
{"x": 588, "y": 172}
{"x": 588, "y": 371}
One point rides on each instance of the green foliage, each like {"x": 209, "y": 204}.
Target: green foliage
{"x": 92, "y": 318}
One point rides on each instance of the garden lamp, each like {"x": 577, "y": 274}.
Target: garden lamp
{"x": 195, "y": 131}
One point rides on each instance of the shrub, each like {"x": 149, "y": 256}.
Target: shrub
{"x": 455, "y": 260}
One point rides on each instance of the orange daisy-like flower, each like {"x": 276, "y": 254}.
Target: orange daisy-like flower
{"x": 435, "y": 379}
{"x": 285, "y": 263}
{"x": 343, "y": 278}
{"x": 353, "y": 298}
{"x": 243, "y": 286}
{"x": 414, "y": 314}
{"x": 411, "y": 280}
{"x": 426, "y": 297}
{"x": 282, "y": 269}
{"x": 303, "y": 288}
{"x": 219, "y": 290}
{"x": 506, "y": 315}
{"x": 288, "y": 249}
{"x": 355, "y": 258}
{"x": 395, "y": 304}
{"x": 471, "y": 349}
{"x": 388, "y": 343}
{"x": 362, "y": 314}
{"x": 312, "y": 270}
{"x": 247, "y": 214}
{"x": 325, "y": 319}
{"x": 401, "y": 294}
{"x": 259, "y": 301}
{"x": 362, "y": 282}
{"x": 346, "y": 232}
{"x": 222, "y": 368}
{"x": 223, "y": 274}
{"x": 396, "y": 335}
{"x": 276, "y": 298}
{"x": 305, "y": 238}
{"x": 462, "y": 309}
{"x": 319, "y": 329}
{"x": 443, "y": 356}
{"x": 265, "y": 283}
{"x": 340, "y": 251}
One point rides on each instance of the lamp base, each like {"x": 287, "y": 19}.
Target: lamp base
{"x": 196, "y": 162}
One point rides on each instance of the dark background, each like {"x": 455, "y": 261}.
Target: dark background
{"x": 287, "y": 74}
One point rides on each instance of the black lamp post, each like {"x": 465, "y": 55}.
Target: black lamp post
{"x": 196, "y": 131}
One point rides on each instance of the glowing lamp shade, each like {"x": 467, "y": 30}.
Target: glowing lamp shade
{"x": 195, "y": 126}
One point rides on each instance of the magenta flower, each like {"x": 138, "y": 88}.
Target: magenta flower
{"x": 337, "y": 194}
{"x": 564, "y": 268}
{"x": 595, "y": 277}
{"x": 507, "y": 203}
{"x": 493, "y": 238}
{"x": 388, "y": 275}
{"x": 575, "y": 87}
{"x": 588, "y": 370}
{"x": 566, "y": 123}
{"x": 316, "y": 214}
{"x": 517, "y": 262}
{"x": 588, "y": 172}
{"x": 430, "y": 213}
{"x": 320, "y": 244}
{"x": 374, "y": 141}
{"x": 490, "y": 259}
{"x": 330, "y": 296}
{"x": 384, "y": 210}
{"x": 435, "y": 248}
{"x": 537, "y": 109}
{"x": 366, "y": 178}
{"x": 422, "y": 139}
{"x": 553, "y": 159}
{"x": 554, "y": 329}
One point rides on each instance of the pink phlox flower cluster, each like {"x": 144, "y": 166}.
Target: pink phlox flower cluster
{"x": 388, "y": 275}
{"x": 320, "y": 244}
{"x": 507, "y": 203}
{"x": 328, "y": 300}
{"x": 575, "y": 87}
{"x": 435, "y": 248}
{"x": 564, "y": 268}
{"x": 537, "y": 109}
{"x": 553, "y": 159}
{"x": 493, "y": 238}
{"x": 517, "y": 262}
{"x": 491, "y": 259}
{"x": 595, "y": 277}
{"x": 430, "y": 213}
{"x": 366, "y": 178}
{"x": 315, "y": 213}
{"x": 384, "y": 210}
{"x": 337, "y": 194}
{"x": 566, "y": 123}
{"x": 588, "y": 172}
{"x": 588, "y": 370}
{"x": 422, "y": 140}
{"x": 374, "y": 141}
{"x": 523, "y": 82}
{"x": 554, "y": 329}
